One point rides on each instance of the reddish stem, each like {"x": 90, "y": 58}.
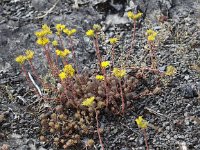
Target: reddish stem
{"x": 153, "y": 55}
{"x": 49, "y": 60}
{"x": 122, "y": 97}
{"x": 113, "y": 55}
{"x": 96, "y": 44}
{"x": 35, "y": 73}
{"x": 133, "y": 40}
{"x": 26, "y": 75}
{"x": 106, "y": 87}
{"x": 145, "y": 139}
{"x": 98, "y": 131}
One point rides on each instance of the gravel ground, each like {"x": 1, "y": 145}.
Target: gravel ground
{"x": 173, "y": 113}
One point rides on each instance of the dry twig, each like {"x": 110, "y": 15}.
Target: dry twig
{"x": 48, "y": 11}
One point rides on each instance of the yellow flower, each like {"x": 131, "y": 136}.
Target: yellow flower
{"x": 29, "y": 54}
{"x": 130, "y": 14}
{"x": 40, "y": 34}
{"x": 151, "y": 38}
{"x": 119, "y": 73}
{"x": 63, "y": 53}
{"x": 69, "y": 70}
{"x": 99, "y": 77}
{"x": 155, "y": 34}
{"x": 90, "y": 33}
{"x": 69, "y": 32}
{"x": 141, "y": 122}
{"x": 62, "y": 75}
{"x": 59, "y": 28}
{"x": 151, "y": 35}
{"x": 113, "y": 40}
{"x": 138, "y": 16}
{"x": 42, "y": 41}
{"x": 170, "y": 71}
{"x": 105, "y": 64}
{"x": 134, "y": 16}
{"x": 44, "y": 32}
{"x": 96, "y": 27}
{"x": 150, "y": 32}
{"x": 55, "y": 43}
{"x": 46, "y": 29}
{"x": 20, "y": 59}
{"x": 58, "y": 52}
{"x": 88, "y": 101}
{"x": 66, "y": 52}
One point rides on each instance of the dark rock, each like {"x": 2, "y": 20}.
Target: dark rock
{"x": 189, "y": 91}
{"x": 6, "y": 125}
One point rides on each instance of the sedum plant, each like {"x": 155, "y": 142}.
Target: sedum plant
{"x": 80, "y": 98}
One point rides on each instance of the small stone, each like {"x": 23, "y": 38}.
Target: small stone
{"x": 175, "y": 136}
{"x": 167, "y": 128}
{"x": 189, "y": 92}
{"x": 187, "y": 122}
{"x": 6, "y": 125}
{"x": 168, "y": 136}
{"x": 140, "y": 141}
{"x": 186, "y": 77}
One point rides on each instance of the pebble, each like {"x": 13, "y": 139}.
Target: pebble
{"x": 189, "y": 92}
{"x": 6, "y": 125}
{"x": 167, "y": 128}
{"x": 140, "y": 141}
{"x": 168, "y": 136}
{"x": 186, "y": 77}
{"x": 23, "y": 147}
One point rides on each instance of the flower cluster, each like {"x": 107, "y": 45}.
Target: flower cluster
{"x": 59, "y": 28}
{"x": 90, "y": 33}
{"x": 22, "y": 58}
{"x": 151, "y": 35}
{"x": 68, "y": 71}
{"x": 133, "y": 16}
{"x": 141, "y": 122}
{"x": 42, "y": 35}
{"x": 105, "y": 64}
{"x": 99, "y": 77}
{"x": 96, "y": 27}
{"x": 62, "y": 53}
{"x": 88, "y": 101}
{"x": 55, "y": 43}
{"x": 29, "y": 54}
{"x": 119, "y": 73}
{"x": 113, "y": 40}
{"x": 69, "y": 32}
{"x": 43, "y": 41}
{"x": 44, "y": 31}
{"x": 62, "y": 75}
{"x": 170, "y": 71}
